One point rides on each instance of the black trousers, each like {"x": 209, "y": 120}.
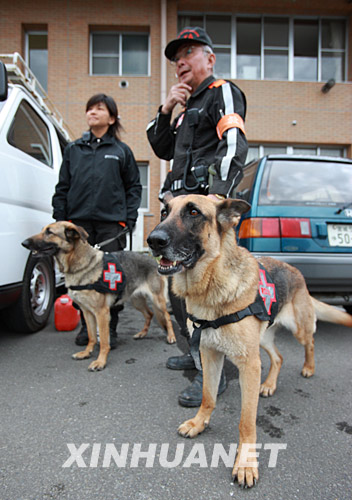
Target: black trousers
{"x": 100, "y": 231}
{"x": 179, "y": 310}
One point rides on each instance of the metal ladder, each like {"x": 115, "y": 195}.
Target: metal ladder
{"x": 18, "y": 72}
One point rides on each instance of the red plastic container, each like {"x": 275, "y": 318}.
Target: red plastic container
{"x": 66, "y": 316}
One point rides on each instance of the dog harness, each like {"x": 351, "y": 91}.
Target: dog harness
{"x": 112, "y": 279}
{"x": 265, "y": 308}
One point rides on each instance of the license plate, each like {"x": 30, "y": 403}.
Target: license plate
{"x": 340, "y": 235}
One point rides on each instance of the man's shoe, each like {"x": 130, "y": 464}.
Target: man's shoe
{"x": 192, "y": 396}
{"x": 82, "y": 336}
{"x": 184, "y": 362}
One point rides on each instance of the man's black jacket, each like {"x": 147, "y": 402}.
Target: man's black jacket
{"x": 227, "y": 155}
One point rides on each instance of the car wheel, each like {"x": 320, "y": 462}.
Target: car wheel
{"x": 31, "y": 312}
{"x": 348, "y": 309}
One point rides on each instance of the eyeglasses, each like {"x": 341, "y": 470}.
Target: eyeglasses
{"x": 186, "y": 53}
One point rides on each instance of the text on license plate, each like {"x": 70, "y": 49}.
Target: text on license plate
{"x": 340, "y": 235}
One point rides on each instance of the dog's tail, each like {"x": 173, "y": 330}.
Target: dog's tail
{"x": 331, "y": 314}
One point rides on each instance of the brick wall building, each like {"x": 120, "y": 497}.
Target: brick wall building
{"x": 85, "y": 47}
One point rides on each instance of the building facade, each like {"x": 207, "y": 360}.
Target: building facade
{"x": 293, "y": 60}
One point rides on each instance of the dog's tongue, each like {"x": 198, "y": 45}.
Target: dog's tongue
{"x": 165, "y": 262}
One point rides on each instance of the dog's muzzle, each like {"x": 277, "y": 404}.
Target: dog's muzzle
{"x": 40, "y": 248}
{"x": 158, "y": 241}
{"x": 174, "y": 258}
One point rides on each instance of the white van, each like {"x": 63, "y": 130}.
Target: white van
{"x": 32, "y": 140}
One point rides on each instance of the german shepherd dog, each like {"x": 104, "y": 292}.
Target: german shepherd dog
{"x": 83, "y": 265}
{"x": 197, "y": 244}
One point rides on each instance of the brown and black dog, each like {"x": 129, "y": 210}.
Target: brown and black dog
{"x": 83, "y": 265}
{"x": 197, "y": 244}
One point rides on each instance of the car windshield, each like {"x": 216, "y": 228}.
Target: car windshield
{"x": 292, "y": 182}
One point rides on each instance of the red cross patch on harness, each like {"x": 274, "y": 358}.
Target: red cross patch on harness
{"x": 112, "y": 276}
{"x": 266, "y": 291}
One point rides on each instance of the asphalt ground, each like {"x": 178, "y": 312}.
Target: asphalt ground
{"x": 67, "y": 433}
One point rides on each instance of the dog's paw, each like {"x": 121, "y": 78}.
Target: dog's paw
{"x": 267, "y": 390}
{"x": 245, "y": 470}
{"x": 171, "y": 339}
{"x": 307, "y": 371}
{"x": 191, "y": 429}
{"x": 82, "y": 355}
{"x": 245, "y": 476}
{"x": 140, "y": 335}
{"x": 96, "y": 366}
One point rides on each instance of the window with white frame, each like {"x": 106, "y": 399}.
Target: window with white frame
{"x": 144, "y": 176}
{"x": 248, "y": 48}
{"x": 333, "y": 53}
{"x": 275, "y": 47}
{"x": 37, "y": 55}
{"x": 115, "y": 53}
{"x": 305, "y": 57}
{"x": 219, "y": 29}
{"x": 257, "y": 151}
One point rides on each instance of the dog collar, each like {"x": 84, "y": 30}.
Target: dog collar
{"x": 253, "y": 309}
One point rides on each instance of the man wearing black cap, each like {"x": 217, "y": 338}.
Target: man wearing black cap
{"x": 207, "y": 144}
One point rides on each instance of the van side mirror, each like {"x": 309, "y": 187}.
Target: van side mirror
{"x": 3, "y": 82}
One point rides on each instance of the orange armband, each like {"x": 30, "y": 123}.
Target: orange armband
{"x": 229, "y": 121}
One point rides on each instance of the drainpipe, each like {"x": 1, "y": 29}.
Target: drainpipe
{"x": 163, "y": 73}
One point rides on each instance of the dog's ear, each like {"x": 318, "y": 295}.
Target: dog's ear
{"x": 228, "y": 212}
{"x": 74, "y": 233}
{"x": 82, "y": 233}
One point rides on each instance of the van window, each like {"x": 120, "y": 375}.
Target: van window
{"x": 29, "y": 133}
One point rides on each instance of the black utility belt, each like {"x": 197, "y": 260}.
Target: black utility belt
{"x": 179, "y": 186}
{"x": 200, "y": 174}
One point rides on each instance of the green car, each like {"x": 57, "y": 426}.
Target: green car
{"x": 301, "y": 213}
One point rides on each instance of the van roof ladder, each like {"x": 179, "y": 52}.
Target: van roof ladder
{"x": 19, "y": 73}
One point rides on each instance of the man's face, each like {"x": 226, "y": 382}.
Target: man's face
{"x": 193, "y": 64}
{"x": 98, "y": 116}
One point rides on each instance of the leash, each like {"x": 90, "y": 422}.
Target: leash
{"x": 110, "y": 240}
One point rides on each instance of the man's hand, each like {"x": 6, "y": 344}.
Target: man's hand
{"x": 178, "y": 95}
{"x": 131, "y": 224}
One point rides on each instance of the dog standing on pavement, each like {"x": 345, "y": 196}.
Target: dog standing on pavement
{"x": 136, "y": 280}
{"x": 231, "y": 299}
